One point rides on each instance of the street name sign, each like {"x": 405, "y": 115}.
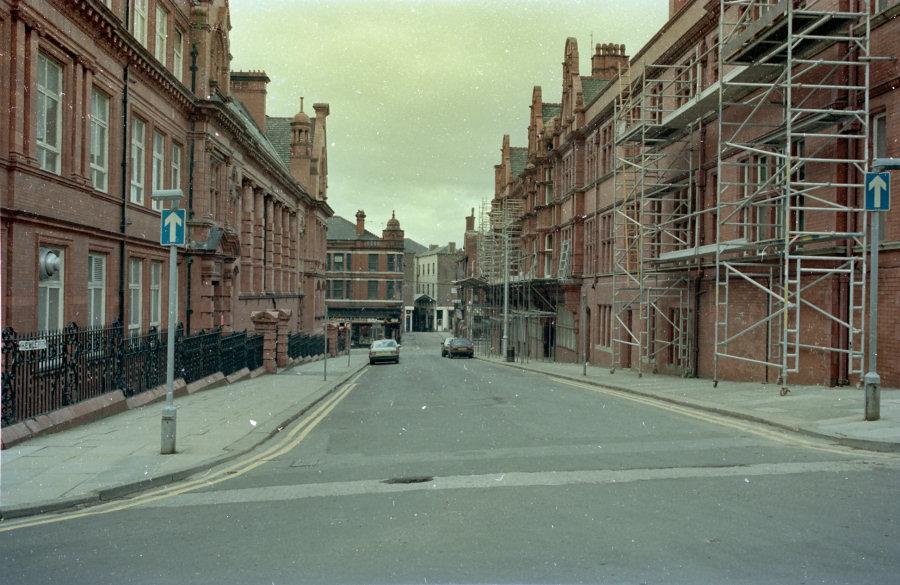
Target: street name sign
{"x": 878, "y": 191}
{"x": 171, "y": 227}
{"x": 32, "y": 344}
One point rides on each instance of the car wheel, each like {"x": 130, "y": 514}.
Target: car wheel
{"x": 371, "y": 362}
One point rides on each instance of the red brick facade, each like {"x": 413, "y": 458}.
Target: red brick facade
{"x": 134, "y": 116}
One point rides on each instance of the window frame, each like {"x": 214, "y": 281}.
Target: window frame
{"x": 138, "y": 171}
{"x": 135, "y": 295}
{"x": 157, "y": 166}
{"x": 161, "y": 39}
{"x": 99, "y": 171}
{"x": 57, "y": 283}
{"x": 175, "y": 165}
{"x": 96, "y": 287}
{"x": 178, "y": 54}
{"x": 140, "y": 13}
{"x": 370, "y": 295}
{"x": 43, "y": 93}
{"x": 155, "y": 294}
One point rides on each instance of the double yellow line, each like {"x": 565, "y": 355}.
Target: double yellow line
{"x": 285, "y": 443}
{"x": 784, "y": 437}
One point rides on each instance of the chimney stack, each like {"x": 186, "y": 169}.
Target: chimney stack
{"x": 360, "y": 222}
{"x": 451, "y": 247}
{"x": 250, "y": 88}
{"x": 470, "y": 222}
{"x": 607, "y": 60}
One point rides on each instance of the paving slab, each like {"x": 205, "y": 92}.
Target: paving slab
{"x": 120, "y": 453}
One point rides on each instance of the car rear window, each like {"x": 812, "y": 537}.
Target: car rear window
{"x": 384, "y": 343}
{"x": 461, "y": 342}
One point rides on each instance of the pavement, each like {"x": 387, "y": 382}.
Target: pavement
{"x": 830, "y": 413}
{"x": 464, "y": 471}
{"x": 114, "y": 456}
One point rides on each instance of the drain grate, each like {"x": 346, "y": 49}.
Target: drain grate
{"x": 412, "y": 479}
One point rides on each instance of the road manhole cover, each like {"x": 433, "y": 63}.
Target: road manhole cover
{"x": 411, "y": 479}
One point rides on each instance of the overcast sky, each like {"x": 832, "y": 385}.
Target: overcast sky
{"x": 422, "y": 91}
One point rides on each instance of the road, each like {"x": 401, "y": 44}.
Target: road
{"x": 461, "y": 471}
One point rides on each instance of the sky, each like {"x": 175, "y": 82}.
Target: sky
{"x": 421, "y": 92}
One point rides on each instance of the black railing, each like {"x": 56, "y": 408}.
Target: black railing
{"x": 302, "y": 345}
{"x": 51, "y": 370}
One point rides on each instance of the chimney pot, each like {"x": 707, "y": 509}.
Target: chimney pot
{"x": 360, "y": 222}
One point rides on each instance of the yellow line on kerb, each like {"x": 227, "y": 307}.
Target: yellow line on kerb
{"x": 285, "y": 443}
{"x": 783, "y": 437}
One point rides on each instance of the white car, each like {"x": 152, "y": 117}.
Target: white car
{"x": 384, "y": 350}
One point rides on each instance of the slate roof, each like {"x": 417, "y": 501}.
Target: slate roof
{"x": 518, "y": 158}
{"x": 591, "y": 88}
{"x": 339, "y": 228}
{"x": 238, "y": 109}
{"x": 413, "y": 246}
{"x": 441, "y": 250}
{"x": 549, "y": 110}
{"x": 279, "y": 132}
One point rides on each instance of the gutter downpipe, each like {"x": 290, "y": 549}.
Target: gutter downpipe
{"x": 188, "y": 259}
{"x": 123, "y": 221}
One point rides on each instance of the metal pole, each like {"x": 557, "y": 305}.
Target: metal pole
{"x": 504, "y": 344}
{"x": 167, "y": 446}
{"x": 584, "y": 336}
{"x": 325, "y": 361}
{"x": 872, "y": 379}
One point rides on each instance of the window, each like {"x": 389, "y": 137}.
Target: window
{"x": 548, "y": 187}
{"x": 548, "y": 254}
{"x": 137, "y": 161}
{"x": 156, "y": 179}
{"x": 96, "y": 297}
{"x": 178, "y": 55}
{"x": 390, "y": 262}
{"x": 99, "y": 140}
{"x": 337, "y": 289}
{"x": 879, "y": 136}
{"x": 604, "y": 314}
{"x": 327, "y": 261}
{"x": 50, "y": 289}
{"x": 176, "y": 167}
{"x": 135, "y": 267}
{"x": 373, "y": 262}
{"x": 347, "y": 290}
{"x": 390, "y": 289}
{"x": 155, "y": 294}
{"x": 162, "y": 34}
{"x": 373, "y": 289}
{"x": 140, "y": 21}
{"x": 49, "y": 113}
{"x": 339, "y": 262}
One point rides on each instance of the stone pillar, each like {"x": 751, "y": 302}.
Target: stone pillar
{"x": 258, "y": 227}
{"x": 247, "y": 243}
{"x": 265, "y": 323}
{"x": 276, "y": 246}
{"x": 269, "y": 252}
{"x": 294, "y": 253}
{"x": 283, "y": 328}
{"x": 225, "y": 297}
{"x": 332, "y": 340}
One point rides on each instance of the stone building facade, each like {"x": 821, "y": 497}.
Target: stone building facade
{"x": 436, "y": 302}
{"x": 365, "y": 283}
{"x": 575, "y": 228}
{"x": 104, "y": 108}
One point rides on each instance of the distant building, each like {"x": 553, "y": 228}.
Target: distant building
{"x": 436, "y": 301}
{"x": 410, "y": 249}
{"x": 365, "y": 278}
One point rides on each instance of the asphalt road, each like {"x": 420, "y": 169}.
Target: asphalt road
{"x": 460, "y": 471}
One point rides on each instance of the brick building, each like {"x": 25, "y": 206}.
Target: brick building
{"x": 365, "y": 275}
{"x": 696, "y": 209}
{"x": 436, "y": 299}
{"x": 104, "y": 108}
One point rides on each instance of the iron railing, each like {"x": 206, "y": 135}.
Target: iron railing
{"x": 302, "y": 345}
{"x": 47, "y": 371}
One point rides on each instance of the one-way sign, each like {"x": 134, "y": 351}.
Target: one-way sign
{"x": 171, "y": 228}
{"x": 878, "y": 191}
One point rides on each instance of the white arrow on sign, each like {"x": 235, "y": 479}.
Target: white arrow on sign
{"x": 173, "y": 222}
{"x": 877, "y": 185}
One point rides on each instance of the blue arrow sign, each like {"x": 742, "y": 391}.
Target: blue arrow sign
{"x": 878, "y": 191}
{"x": 171, "y": 228}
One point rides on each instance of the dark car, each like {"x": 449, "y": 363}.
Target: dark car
{"x": 444, "y": 345}
{"x": 460, "y": 348}
{"x": 384, "y": 350}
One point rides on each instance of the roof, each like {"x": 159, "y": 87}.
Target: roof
{"x": 278, "y": 131}
{"x": 410, "y": 245}
{"x": 518, "y": 158}
{"x": 441, "y": 250}
{"x": 339, "y": 228}
{"x": 549, "y": 110}
{"x": 591, "y": 88}
{"x": 240, "y": 110}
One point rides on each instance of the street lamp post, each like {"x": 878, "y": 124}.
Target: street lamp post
{"x": 872, "y": 380}
{"x": 168, "y": 424}
{"x": 504, "y": 342}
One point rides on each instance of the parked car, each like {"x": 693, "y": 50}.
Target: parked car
{"x": 444, "y": 345}
{"x": 460, "y": 347}
{"x": 384, "y": 350}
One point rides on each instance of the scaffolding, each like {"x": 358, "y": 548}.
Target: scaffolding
{"x": 655, "y": 223}
{"x": 793, "y": 127}
{"x": 500, "y": 255}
